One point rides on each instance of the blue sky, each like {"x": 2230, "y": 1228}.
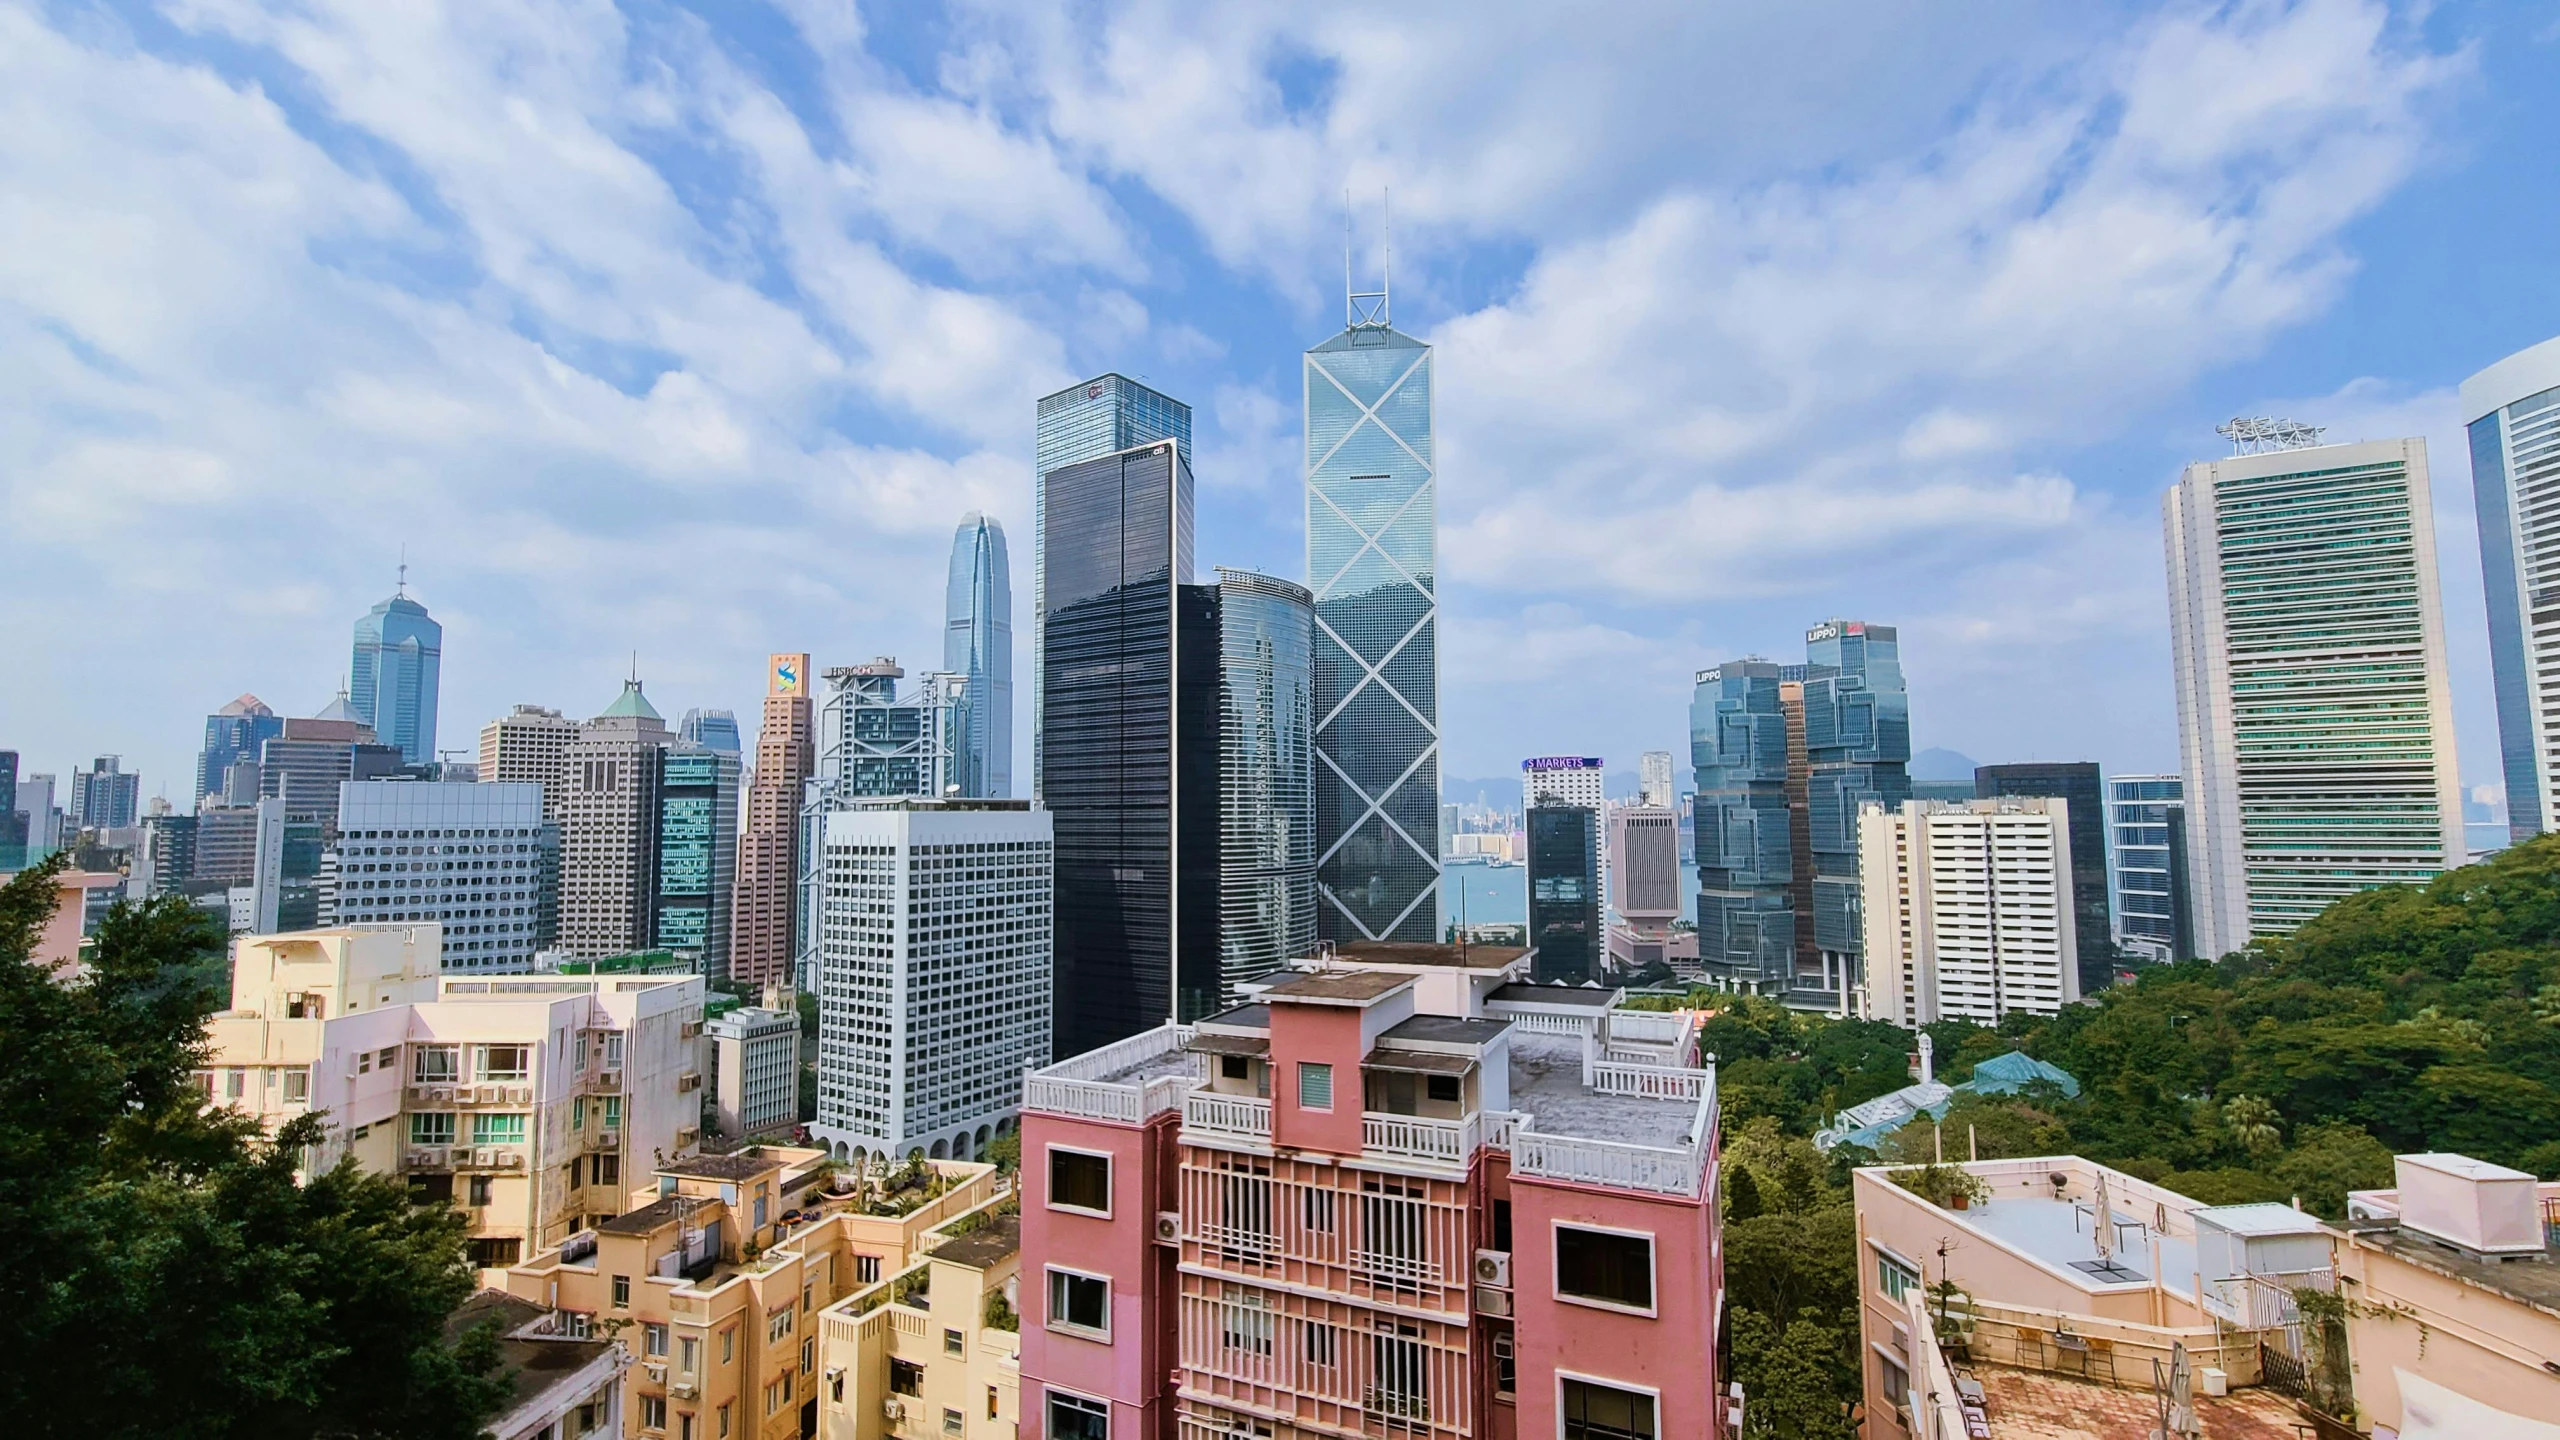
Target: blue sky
{"x": 693, "y": 330}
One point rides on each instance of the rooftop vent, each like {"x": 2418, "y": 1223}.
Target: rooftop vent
{"x": 2472, "y": 1205}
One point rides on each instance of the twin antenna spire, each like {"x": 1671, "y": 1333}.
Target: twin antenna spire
{"x": 1367, "y": 309}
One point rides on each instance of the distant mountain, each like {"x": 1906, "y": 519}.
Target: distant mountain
{"x": 1941, "y": 765}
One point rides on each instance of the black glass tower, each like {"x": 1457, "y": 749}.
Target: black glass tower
{"x": 2077, "y": 782}
{"x": 1564, "y": 893}
{"x": 1129, "y": 743}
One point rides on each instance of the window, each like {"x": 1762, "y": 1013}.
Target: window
{"x": 866, "y": 1269}
{"x": 728, "y": 1344}
{"x": 389, "y": 1059}
{"x": 1244, "y": 1322}
{"x": 953, "y": 1343}
{"x": 777, "y": 1325}
{"x": 1441, "y": 1087}
{"x": 688, "y": 1355}
{"x": 991, "y": 1402}
{"x": 235, "y": 1084}
{"x": 1080, "y": 1180}
{"x": 906, "y": 1377}
{"x": 1316, "y": 1209}
{"x": 606, "y": 1169}
{"x": 1315, "y": 1085}
{"x": 622, "y": 1295}
{"x": 808, "y": 1355}
{"x": 613, "y": 1112}
{"x": 653, "y": 1412}
{"x": 1399, "y": 1386}
{"x": 1315, "y": 1340}
{"x": 653, "y": 1341}
{"x": 1896, "y": 1384}
{"x": 431, "y": 1127}
{"x": 773, "y": 1397}
{"x": 1894, "y": 1278}
{"x": 953, "y": 1422}
{"x": 1234, "y": 1067}
{"x": 364, "y": 1063}
{"x": 496, "y": 1252}
{"x": 724, "y": 1420}
{"x": 1604, "y": 1267}
{"x": 1502, "y": 1225}
{"x": 438, "y": 1064}
{"x": 1593, "y": 1411}
{"x": 1506, "y": 1364}
{"x": 1073, "y": 1417}
{"x": 1080, "y": 1302}
{"x": 480, "y": 1186}
{"x": 497, "y": 1129}
{"x": 684, "y": 1427}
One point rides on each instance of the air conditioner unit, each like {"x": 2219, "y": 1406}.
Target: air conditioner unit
{"x": 891, "y": 1410}
{"x": 1493, "y": 1267}
{"x": 485, "y": 1155}
{"x": 520, "y": 1094}
{"x": 511, "y": 1159}
{"x": 1490, "y": 1301}
{"x": 1168, "y": 1227}
{"x": 610, "y": 1080}
{"x": 426, "y": 1159}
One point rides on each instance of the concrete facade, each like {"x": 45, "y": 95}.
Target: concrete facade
{"x": 755, "y": 1068}
{"x": 1967, "y": 911}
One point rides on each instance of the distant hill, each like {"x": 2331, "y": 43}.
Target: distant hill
{"x": 1941, "y": 765}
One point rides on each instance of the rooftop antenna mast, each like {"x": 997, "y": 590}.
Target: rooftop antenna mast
{"x": 403, "y": 586}
{"x": 2265, "y": 434}
{"x": 1367, "y": 309}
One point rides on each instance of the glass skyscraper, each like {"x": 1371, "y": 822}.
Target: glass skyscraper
{"x": 1129, "y": 735}
{"x": 2147, "y": 820}
{"x": 234, "y": 733}
{"x": 1564, "y": 892}
{"x": 1371, "y": 554}
{"x": 1102, "y": 416}
{"x": 1266, "y": 765}
{"x": 697, "y": 852}
{"x": 2513, "y": 409}
{"x": 391, "y": 679}
{"x": 2315, "y": 721}
{"x": 977, "y": 641}
{"x": 716, "y": 729}
{"x": 1742, "y": 828}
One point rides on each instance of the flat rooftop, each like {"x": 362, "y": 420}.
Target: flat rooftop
{"x": 1460, "y": 957}
{"x": 1339, "y": 987}
{"x": 990, "y": 1244}
{"x": 738, "y": 1165}
{"x": 2526, "y": 1281}
{"x": 1546, "y": 1082}
{"x": 2063, "y": 1234}
{"x": 645, "y": 1219}
{"x": 1587, "y": 997}
{"x": 527, "y": 1366}
{"x": 2033, "y": 1405}
{"x": 1444, "y": 1030}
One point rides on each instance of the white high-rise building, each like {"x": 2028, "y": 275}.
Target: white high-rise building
{"x": 2513, "y": 409}
{"x": 1967, "y": 910}
{"x": 477, "y": 859}
{"x": 1653, "y": 779}
{"x": 2315, "y": 724}
{"x": 530, "y": 745}
{"x": 933, "y": 972}
{"x": 1571, "y": 780}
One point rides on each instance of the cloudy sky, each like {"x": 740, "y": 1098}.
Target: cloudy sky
{"x": 691, "y": 330}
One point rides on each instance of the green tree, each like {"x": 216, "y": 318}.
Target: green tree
{"x": 1792, "y": 1376}
{"x": 2327, "y": 1161}
{"x": 168, "y": 1271}
{"x": 2252, "y": 1123}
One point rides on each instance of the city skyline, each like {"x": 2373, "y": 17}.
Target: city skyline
{"x": 2354, "y": 318}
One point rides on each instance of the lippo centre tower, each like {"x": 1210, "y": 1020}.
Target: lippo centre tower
{"x": 1398, "y": 1192}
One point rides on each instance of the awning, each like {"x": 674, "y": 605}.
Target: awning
{"x": 1418, "y": 1062}
{"x": 1231, "y": 1044}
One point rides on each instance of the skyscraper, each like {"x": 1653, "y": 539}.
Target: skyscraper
{"x": 105, "y": 796}
{"x": 13, "y": 823}
{"x": 529, "y": 745}
{"x": 1129, "y": 745}
{"x": 1653, "y": 779}
{"x": 1372, "y": 506}
{"x": 2315, "y": 724}
{"x": 2076, "y": 784}
{"x": 1571, "y": 780}
{"x": 1564, "y": 891}
{"x": 233, "y": 734}
{"x": 874, "y": 742}
{"x": 1266, "y": 774}
{"x": 1743, "y": 831}
{"x": 1102, "y": 416}
{"x": 711, "y": 729}
{"x": 1968, "y": 910}
{"x": 977, "y": 641}
{"x": 2513, "y": 409}
{"x": 2148, "y": 815}
{"x": 391, "y": 680}
{"x": 609, "y": 844}
{"x": 478, "y": 859}
{"x": 697, "y": 852}
{"x": 305, "y": 763}
{"x": 761, "y": 947}
{"x": 1857, "y": 750}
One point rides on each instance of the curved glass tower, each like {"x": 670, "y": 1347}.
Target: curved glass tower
{"x": 391, "y": 681}
{"x": 1371, "y": 544}
{"x": 2513, "y": 411}
{"x": 1266, "y": 775}
{"x": 977, "y": 641}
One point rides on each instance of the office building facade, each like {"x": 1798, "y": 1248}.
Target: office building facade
{"x": 13, "y": 821}
{"x": 762, "y": 948}
{"x": 875, "y": 742}
{"x": 529, "y": 745}
{"x": 1856, "y": 752}
{"x": 755, "y": 1071}
{"x": 1644, "y": 881}
{"x": 1564, "y": 892}
{"x": 1372, "y": 545}
{"x": 2513, "y": 413}
{"x": 1968, "y": 910}
{"x": 479, "y": 861}
{"x": 1266, "y": 775}
{"x": 934, "y": 985}
{"x": 1102, "y": 416}
{"x": 1742, "y": 826}
{"x": 609, "y": 841}
{"x": 305, "y": 765}
{"x": 712, "y": 730}
{"x": 2077, "y": 783}
{"x": 2147, "y": 823}
{"x": 977, "y": 642}
{"x": 1570, "y": 780}
{"x": 697, "y": 853}
{"x": 105, "y": 796}
{"x": 1654, "y": 779}
{"x": 392, "y": 675}
{"x": 236, "y": 732}
{"x": 2315, "y": 722}
{"x": 1129, "y": 736}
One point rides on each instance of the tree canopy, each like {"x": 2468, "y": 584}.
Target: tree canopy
{"x": 169, "y": 1272}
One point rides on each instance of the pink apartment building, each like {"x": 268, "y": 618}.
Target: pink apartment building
{"x": 1397, "y": 1194}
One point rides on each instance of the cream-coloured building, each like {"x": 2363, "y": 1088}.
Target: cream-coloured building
{"x": 755, "y": 1069}
{"x": 536, "y": 1103}
{"x": 531, "y": 745}
{"x": 716, "y": 1284}
{"x": 935, "y": 1351}
{"x": 1967, "y": 910}
{"x": 2453, "y": 1324}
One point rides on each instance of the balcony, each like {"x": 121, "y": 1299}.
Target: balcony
{"x": 1126, "y": 1083}
{"x": 1213, "y": 1118}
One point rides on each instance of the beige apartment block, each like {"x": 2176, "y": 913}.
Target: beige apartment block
{"x": 536, "y": 1103}
{"x": 530, "y": 744}
{"x": 716, "y": 1283}
{"x": 933, "y": 1352}
{"x": 2453, "y": 1324}
{"x": 613, "y": 773}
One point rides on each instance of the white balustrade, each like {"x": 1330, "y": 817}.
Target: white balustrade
{"x": 1235, "y": 1117}
{"x": 1609, "y": 1162}
{"x": 1411, "y": 1137}
{"x": 1648, "y": 1082}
